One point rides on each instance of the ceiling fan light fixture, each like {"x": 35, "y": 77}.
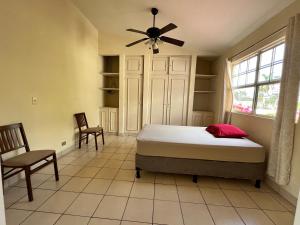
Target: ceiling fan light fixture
{"x": 154, "y": 37}
{"x": 155, "y": 48}
{"x": 155, "y": 45}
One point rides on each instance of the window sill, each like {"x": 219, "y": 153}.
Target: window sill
{"x": 255, "y": 115}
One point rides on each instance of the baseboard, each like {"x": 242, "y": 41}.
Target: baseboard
{"x": 281, "y": 191}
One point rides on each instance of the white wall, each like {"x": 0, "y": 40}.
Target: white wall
{"x": 48, "y": 50}
{"x": 260, "y": 129}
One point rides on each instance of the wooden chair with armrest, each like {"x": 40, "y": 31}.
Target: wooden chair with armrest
{"x": 85, "y": 130}
{"x": 13, "y": 138}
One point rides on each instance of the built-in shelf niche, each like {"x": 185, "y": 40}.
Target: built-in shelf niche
{"x": 109, "y": 81}
{"x": 204, "y": 89}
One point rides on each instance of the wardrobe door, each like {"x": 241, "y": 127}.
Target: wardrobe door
{"x": 158, "y": 99}
{"x": 177, "y": 100}
{"x": 134, "y": 65}
{"x": 160, "y": 65}
{"x": 179, "y": 65}
{"x": 133, "y": 99}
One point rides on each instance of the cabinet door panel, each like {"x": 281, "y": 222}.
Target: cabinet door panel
{"x": 134, "y": 65}
{"x": 179, "y": 65}
{"x": 158, "y": 100}
{"x": 160, "y": 65}
{"x": 104, "y": 120}
{"x": 177, "y": 106}
{"x": 113, "y": 119}
{"x": 133, "y": 103}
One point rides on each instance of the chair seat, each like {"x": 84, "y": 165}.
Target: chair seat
{"x": 27, "y": 158}
{"x": 92, "y": 130}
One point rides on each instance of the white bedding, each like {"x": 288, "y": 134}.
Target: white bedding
{"x": 196, "y": 143}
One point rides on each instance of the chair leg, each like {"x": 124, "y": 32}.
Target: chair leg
{"x": 79, "y": 140}
{"x": 95, "y": 134}
{"x": 55, "y": 167}
{"x": 2, "y": 173}
{"x": 28, "y": 184}
{"x": 87, "y": 139}
{"x": 195, "y": 178}
{"x": 257, "y": 183}
{"x": 102, "y": 136}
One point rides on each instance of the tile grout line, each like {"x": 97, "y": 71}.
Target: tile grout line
{"x": 261, "y": 209}
{"x": 153, "y": 199}
{"x": 205, "y": 203}
{"x": 243, "y": 221}
{"x": 179, "y": 203}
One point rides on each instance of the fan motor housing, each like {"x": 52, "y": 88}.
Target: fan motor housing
{"x": 153, "y": 32}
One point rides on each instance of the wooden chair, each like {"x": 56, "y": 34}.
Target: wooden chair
{"x": 85, "y": 130}
{"x": 12, "y": 138}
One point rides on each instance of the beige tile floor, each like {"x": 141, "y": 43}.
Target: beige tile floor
{"x": 100, "y": 188}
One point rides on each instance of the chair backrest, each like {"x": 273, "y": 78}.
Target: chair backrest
{"x": 81, "y": 120}
{"x": 12, "y": 137}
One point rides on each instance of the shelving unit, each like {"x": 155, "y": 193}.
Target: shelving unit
{"x": 109, "y": 92}
{"x": 109, "y": 80}
{"x": 110, "y": 89}
{"x": 110, "y": 74}
{"x": 204, "y": 90}
{"x": 205, "y": 76}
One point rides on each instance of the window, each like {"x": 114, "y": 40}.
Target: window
{"x": 256, "y": 82}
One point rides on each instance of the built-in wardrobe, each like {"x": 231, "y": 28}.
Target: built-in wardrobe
{"x": 142, "y": 89}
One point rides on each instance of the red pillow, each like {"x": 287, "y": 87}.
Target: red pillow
{"x": 226, "y": 131}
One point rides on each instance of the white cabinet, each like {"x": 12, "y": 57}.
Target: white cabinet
{"x": 179, "y": 65}
{"x": 103, "y": 120}
{"x": 158, "y": 99}
{"x": 133, "y": 105}
{"x": 109, "y": 119}
{"x": 177, "y": 100}
{"x": 160, "y": 65}
{"x": 169, "y": 93}
{"x": 113, "y": 120}
{"x": 134, "y": 65}
{"x": 202, "y": 118}
{"x": 133, "y": 94}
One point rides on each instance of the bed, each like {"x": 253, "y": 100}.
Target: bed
{"x": 194, "y": 151}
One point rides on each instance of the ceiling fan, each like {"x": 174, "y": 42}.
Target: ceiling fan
{"x": 154, "y": 35}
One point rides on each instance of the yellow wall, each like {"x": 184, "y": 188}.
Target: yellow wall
{"x": 49, "y": 50}
{"x": 260, "y": 129}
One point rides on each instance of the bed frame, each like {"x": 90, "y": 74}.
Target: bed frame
{"x": 198, "y": 167}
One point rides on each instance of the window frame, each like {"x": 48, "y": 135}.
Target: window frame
{"x": 256, "y": 83}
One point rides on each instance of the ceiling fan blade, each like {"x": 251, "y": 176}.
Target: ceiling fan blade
{"x": 136, "y": 42}
{"x": 172, "y": 41}
{"x": 137, "y": 31}
{"x": 155, "y": 51}
{"x": 167, "y": 28}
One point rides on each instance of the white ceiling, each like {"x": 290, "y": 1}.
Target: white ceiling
{"x": 207, "y": 25}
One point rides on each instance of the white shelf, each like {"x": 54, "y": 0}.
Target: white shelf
{"x": 204, "y": 92}
{"x": 110, "y": 74}
{"x": 110, "y": 89}
{"x": 205, "y": 76}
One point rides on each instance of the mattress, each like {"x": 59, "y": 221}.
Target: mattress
{"x": 196, "y": 143}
